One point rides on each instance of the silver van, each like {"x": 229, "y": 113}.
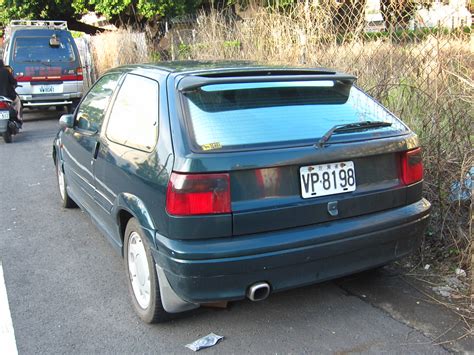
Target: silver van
{"x": 45, "y": 62}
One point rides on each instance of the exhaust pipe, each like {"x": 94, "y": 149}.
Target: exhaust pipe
{"x": 258, "y": 291}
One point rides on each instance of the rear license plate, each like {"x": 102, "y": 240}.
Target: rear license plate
{"x": 327, "y": 179}
{"x": 47, "y": 89}
{"x": 4, "y": 115}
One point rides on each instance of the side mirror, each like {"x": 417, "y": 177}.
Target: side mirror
{"x": 66, "y": 121}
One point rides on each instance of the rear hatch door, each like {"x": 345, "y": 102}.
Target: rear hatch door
{"x": 46, "y": 60}
{"x": 266, "y": 134}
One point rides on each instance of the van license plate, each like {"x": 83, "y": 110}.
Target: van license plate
{"x": 327, "y": 179}
{"x": 47, "y": 89}
{"x": 4, "y": 115}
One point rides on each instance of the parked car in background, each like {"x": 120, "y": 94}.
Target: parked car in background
{"x": 45, "y": 62}
{"x": 220, "y": 181}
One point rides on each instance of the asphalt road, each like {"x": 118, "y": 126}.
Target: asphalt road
{"x": 67, "y": 286}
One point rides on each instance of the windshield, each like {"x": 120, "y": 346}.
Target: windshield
{"x": 241, "y": 115}
{"x": 38, "y": 49}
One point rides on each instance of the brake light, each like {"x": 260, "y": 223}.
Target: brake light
{"x": 79, "y": 74}
{"x": 71, "y": 77}
{"x": 23, "y": 78}
{"x": 3, "y": 105}
{"x": 195, "y": 194}
{"x": 412, "y": 166}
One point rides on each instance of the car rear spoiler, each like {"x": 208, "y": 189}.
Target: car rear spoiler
{"x": 192, "y": 82}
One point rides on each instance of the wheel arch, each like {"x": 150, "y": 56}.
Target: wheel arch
{"x": 130, "y": 206}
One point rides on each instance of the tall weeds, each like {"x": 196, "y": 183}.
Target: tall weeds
{"x": 112, "y": 49}
{"x": 424, "y": 76}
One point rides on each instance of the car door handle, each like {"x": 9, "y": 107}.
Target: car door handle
{"x": 96, "y": 149}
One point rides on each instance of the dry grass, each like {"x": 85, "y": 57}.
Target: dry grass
{"x": 112, "y": 49}
{"x": 426, "y": 78}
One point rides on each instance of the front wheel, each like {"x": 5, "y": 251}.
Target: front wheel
{"x": 67, "y": 202}
{"x": 7, "y": 136}
{"x": 143, "y": 282}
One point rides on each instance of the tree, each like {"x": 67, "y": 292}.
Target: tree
{"x": 349, "y": 15}
{"x": 398, "y": 13}
{"x": 70, "y": 11}
{"x": 139, "y": 13}
{"x": 136, "y": 14}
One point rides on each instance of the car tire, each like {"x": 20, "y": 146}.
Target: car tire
{"x": 142, "y": 278}
{"x": 67, "y": 202}
{"x": 7, "y": 136}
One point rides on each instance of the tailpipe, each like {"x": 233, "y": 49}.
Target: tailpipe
{"x": 258, "y": 291}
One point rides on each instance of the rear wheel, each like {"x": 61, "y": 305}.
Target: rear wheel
{"x": 142, "y": 278}
{"x": 7, "y": 136}
{"x": 67, "y": 202}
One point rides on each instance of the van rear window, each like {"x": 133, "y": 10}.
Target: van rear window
{"x": 233, "y": 116}
{"x": 38, "y": 49}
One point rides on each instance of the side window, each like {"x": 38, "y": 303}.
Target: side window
{"x": 90, "y": 113}
{"x": 134, "y": 117}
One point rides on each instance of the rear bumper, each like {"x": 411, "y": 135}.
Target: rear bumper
{"x": 3, "y": 126}
{"x": 70, "y": 90}
{"x": 209, "y": 270}
{"x": 50, "y": 100}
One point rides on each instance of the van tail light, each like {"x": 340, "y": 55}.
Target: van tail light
{"x": 79, "y": 74}
{"x": 412, "y": 166}
{"x": 3, "y": 105}
{"x": 23, "y": 78}
{"x": 69, "y": 77}
{"x": 196, "y": 194}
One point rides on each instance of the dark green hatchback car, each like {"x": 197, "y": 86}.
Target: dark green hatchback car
{"x": 220, "y": 181}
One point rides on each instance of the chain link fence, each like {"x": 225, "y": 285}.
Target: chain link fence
{"x": 416, "y": 57}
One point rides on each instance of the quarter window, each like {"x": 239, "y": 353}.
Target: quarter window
{"x": 90, "y": 113}
{"x": 134, "y": 117}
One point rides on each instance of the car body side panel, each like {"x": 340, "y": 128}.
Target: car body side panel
{"x": 117, "y": 166}
{"x": 77, "y": 153}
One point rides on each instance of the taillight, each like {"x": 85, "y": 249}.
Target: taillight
{"x": 3, "y": 105}
{"x": 412, "y": 166}
{"x": 195, "y": 194}
{"x": 68, "y": 77}
{"x": 23, "y": 78}
{"x": 79, "y": 74}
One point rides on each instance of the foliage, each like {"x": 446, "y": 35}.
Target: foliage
{"x": 417, "y": 35}
{"x": 36, "y": 9}
{"x": 135, "y": 13}
{"x": 139, "y": 11}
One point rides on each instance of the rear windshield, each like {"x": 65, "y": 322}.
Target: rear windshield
{"x": 38, "y": 49}
{"x": 233, "y": 116}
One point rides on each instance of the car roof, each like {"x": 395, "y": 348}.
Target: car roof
{"x": 37, "y": 32}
